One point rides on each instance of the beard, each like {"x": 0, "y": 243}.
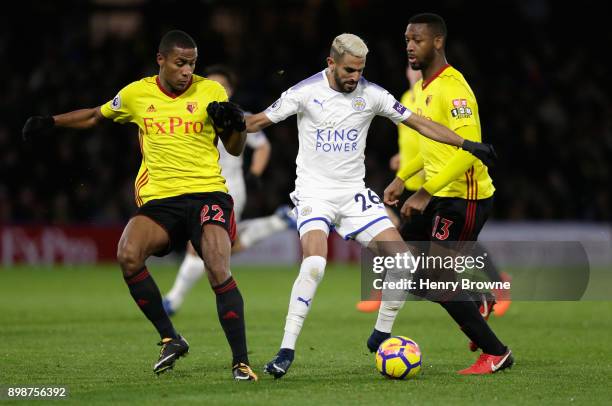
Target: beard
{"x": 343, "y": 85}
{"x": 416, "y": 66}
{"x": 422, "y": 64}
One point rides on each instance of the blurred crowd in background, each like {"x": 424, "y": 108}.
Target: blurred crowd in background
{"x": 538, "y": 69}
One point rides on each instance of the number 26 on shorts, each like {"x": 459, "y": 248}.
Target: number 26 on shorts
{"x": 372, "y": 198}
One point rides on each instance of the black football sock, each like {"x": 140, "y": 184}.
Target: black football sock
{"x": 230, "y": 309}
{"x": 146, "y": 295}
{"x": 466, "y": 315}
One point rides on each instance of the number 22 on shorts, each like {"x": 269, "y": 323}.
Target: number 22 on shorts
{"x": 216, "y": 209}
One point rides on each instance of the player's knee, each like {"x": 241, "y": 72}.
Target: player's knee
{"x": 129, "y": 257}
{"x": 313, "y": 267}
{"x": 219, "y": 271}
{"x": 218, "y": 267}
{"x": 314, "y": 273}
{"x": 215, "y": 256}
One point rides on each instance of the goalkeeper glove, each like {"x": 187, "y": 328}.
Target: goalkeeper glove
{"x": 36, "y": 126}
{"x": 485, "y": 152}
{"x": 226, "y": 116}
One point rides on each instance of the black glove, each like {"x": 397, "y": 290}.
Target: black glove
{"x": 36, "y": 126}
{"x": 253, "y": 181}
{"x": 226, "y": 116}
{"x": 485, "y": 152}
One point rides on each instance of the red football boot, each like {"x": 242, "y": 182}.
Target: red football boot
{"x": 489, "y": 364}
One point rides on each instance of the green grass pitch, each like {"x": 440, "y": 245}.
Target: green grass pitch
{"x": 78, "y": 327}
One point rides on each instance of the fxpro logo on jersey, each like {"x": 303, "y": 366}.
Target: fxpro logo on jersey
{"x": 336, "y": 140}
{"x": 171, "y": 126}
{"x": 460, "y": 109}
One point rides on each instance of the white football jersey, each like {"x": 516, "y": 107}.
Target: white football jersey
{"x": 332, "y": 131}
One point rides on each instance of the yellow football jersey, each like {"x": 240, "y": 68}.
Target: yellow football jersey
{"x": 177, "y": 139}
{"x": 448, "y": 99}
{"x": 409, "y": 145}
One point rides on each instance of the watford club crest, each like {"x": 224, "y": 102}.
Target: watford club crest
{"x": 428, "y": 99}
{"x": 460, "y": 109}
{"x": 192, "y": 107}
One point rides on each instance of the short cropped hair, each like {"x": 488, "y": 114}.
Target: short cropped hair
{"x": 175, "y": 38}
{"x": 224, "y": 71}
{"x": 348, "y": 44}
{"x": 434, "y": 21}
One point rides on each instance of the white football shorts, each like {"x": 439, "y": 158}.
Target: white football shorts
{"x": 358, "y": 215}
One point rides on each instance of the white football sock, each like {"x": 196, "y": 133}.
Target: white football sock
{"x": 304, "y": 289}
{"x": 391, "y": 302}
{"x": 255, "y": 230}
{"x": 387, "y": 314}
{"x": 189, "y": 273}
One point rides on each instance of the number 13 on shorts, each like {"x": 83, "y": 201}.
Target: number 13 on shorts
{"x": 441, "y": 228}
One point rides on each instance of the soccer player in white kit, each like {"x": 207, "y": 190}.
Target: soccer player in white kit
{"x": 249, "y": 231}
{"x": 334, "y": 110}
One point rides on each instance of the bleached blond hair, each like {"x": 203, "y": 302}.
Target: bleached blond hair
{"x": 348, "y": 44}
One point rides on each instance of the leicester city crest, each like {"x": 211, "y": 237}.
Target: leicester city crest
{"x": 358, "y": 103}
{"x": 306, "y": 211}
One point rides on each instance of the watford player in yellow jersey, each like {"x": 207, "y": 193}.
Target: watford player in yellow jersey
{"x": 409, "y": 149}
{"x": 457, "y": 195}
{"x": 180, "y": 193}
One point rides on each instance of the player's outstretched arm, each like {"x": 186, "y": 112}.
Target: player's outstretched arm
{"x": 78, "y": 119}
{"x": 433, "y": 130}
{"x": 257, "y": 122}
{"x": 440, "y": 133}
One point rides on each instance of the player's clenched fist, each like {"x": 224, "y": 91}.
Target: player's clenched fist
{"x": 226, "y": 116}
{"x": 485, "y": 152}
{"x": 36, "y": 125}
